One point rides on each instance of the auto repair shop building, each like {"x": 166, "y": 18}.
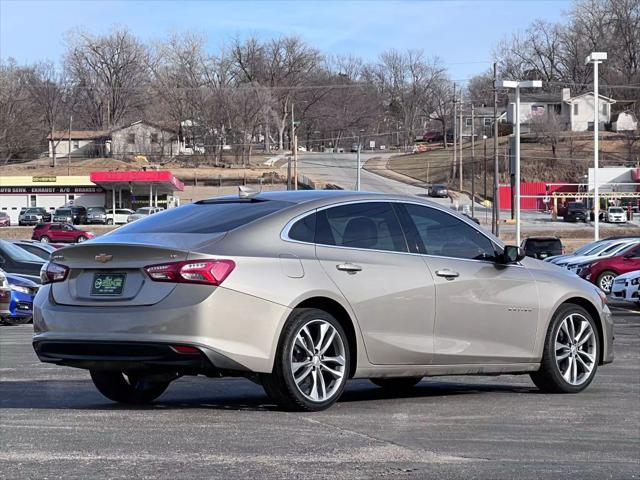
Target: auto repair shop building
{"x": 48, "y": 191}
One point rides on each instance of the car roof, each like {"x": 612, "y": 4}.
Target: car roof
{"x": 542, "y": 238}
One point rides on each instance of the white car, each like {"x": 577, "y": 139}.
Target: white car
{"x": 627, "y": 287}
{"x": 121, "y": 215}
{"x": 616, "y": 215}
{"x": 143, "y": 212}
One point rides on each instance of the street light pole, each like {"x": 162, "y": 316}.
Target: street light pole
{"x": 358, "y": 167}
{"x": 596, "y": 58}
{"x": 517, "y": 85}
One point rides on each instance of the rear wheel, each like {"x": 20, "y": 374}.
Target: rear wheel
{"x": 570, "y": 356}
{"x": 312, "y": 362}
{"x": 45, "y": 239}
{"x": 126, "y": 387}
{"x": 109, "y": 221}
{"x": 396, "y": 383}
{"x": 605, "y": 280}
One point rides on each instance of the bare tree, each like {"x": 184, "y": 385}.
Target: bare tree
{"x": 548, "y": 130}
{"x": 20, "y": 130}
{"x": 49, "y": 89}
{"x": 109, "y": 73}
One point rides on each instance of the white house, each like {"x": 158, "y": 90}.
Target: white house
{"x": 81, "y": 143}
{"x": 624, "y": 122}
{"x": 146, "y": 138}
{"x": 573, "y": 113}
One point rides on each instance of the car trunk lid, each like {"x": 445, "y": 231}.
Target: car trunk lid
{"x": 118, "y": 262}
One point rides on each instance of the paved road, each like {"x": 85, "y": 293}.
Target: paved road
{"x": 341, "y": 170}
{"x": 53, "y": 424}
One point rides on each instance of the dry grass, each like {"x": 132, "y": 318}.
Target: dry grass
{"x": 573, "y": 157}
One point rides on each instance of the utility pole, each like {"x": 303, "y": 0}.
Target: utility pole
{"x": 495, "y": 223}
{"x": 455, "y": 133}
{"x": 473, "y": 162}
{"x": 289, "y": 179}
{"x": 460, "y": 156}
{"x": 358, "y": 167}
{"x": 596, "y": 58}
{"x": 69, "y": 155}
{"x": 484, "y": 140}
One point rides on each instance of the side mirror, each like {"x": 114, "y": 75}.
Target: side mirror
{"x": 511, "y": 254}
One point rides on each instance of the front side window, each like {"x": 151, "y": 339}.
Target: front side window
{"x": 370, "y": 225}
{"x": 433, "y": 232}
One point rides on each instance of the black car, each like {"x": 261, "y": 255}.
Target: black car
{"x": 542, "y": 247}
{"x": 438, "y": 190}
{"x": 75, "y": 215}
{"x": 14, "y": 259}
{"x": 33, "y": 215}
{"x": 39, "y": 249}
{"x": 576, "y": 212}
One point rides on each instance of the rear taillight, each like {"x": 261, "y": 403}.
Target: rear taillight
{"x": 53, "y": 272}
{"x": 206, "y": 272}
{"x": 562, "y": 251}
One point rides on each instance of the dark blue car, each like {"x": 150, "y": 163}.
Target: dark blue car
{"x": 23, "y": 292}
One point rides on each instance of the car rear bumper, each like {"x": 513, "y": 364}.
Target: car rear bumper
{"x": 109, "y": 355}
{"x": 234, "y": 331}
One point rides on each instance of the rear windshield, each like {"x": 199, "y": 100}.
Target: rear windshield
{"x": 544, "y": 245}
{"x": 206, "y": 217}
{"x": 17, "y": 253}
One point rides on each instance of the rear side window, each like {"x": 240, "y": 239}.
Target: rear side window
{"x": 371, "y": 225}
{"x": 207, "y": 217}
{"x": 304, "y": 230}
{"x": 439, "y": 233}
{"x": 543, "y": 245}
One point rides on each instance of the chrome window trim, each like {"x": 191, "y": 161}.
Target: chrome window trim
{"x": 284, "y": 234}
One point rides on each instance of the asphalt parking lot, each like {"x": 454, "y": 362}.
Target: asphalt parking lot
{"x": 54, "y": 424}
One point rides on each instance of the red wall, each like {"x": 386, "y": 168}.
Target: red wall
{"x": 528, "y": 189}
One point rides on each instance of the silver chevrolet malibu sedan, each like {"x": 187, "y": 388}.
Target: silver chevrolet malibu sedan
{"x": 300, "y": 291}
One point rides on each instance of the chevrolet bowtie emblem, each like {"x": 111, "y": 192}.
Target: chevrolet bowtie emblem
{"x": 103, "y": 258}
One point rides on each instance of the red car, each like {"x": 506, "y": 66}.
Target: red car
{"x": 60, "y": 232}
{"x": 5, "y": 220}
{"x": 603, "y": 272}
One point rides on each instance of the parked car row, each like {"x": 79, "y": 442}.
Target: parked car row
{"x": 602, "y": 261}
{"x": 78, "y": 215}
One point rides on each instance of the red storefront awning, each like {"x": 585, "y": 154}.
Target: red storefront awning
{"x": 138, "y": 181}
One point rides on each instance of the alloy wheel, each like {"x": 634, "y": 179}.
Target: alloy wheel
{"x": 606, "y": 282}
{"x": 575, "y": 349}
{"x": 318, "y": 360}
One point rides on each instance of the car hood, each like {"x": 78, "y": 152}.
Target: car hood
{"x": 629, "y": 276}
{"x": 14, "y": 279}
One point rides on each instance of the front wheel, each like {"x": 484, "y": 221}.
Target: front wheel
{"x": 570, "y": 356}
{"x": 605, "y": 280}
{"x": 109, "y": 221}
{"x": 396, "y": 383}
{"x": 312, "y": 362}
{"x": 81, "y": 239}
{"x": 45, "y": 239}
{"x": 127, "y": 387}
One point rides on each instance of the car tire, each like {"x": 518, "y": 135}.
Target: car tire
{"x": 571, "y": 367}
{"x": 396, "y": 383}
{"x": 605, "y": 280}
{"x": 109, "y": 222}
{"x": 320, "y": 361}
{"x": 123, "y": 388}
{"x": 81, "y": 239}
{"x": 45, "y": 239}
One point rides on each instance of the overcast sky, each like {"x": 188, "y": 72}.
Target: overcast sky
{"x": 462, "y": 32}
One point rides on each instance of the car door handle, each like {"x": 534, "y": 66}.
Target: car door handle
{"x": 448, "y": 274}
{"x": 349, "y": 267}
